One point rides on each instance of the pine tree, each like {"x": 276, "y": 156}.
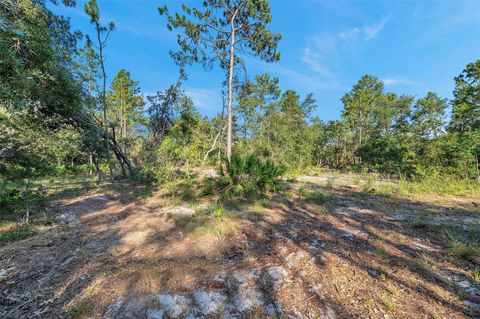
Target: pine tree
{"x": 224, "y": 31}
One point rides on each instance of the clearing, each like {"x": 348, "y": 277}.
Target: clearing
{"x": 326, "y": 248}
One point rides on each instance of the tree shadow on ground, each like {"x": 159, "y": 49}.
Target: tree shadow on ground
{"x": 120, "y": 247}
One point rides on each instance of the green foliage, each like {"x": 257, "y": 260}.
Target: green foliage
{"x": 81, "y": 311}
{"x": 466, "y": 106}
{"x": 18, "y": 200}
{"x": 125, "y": 108}
{"x": 51, "y": 96}
{"x": 424, "y": 263}
{"x": 387, "y": 303}
{"x": 422, "y": 220}
{"x": 217, "y": 210}
{"x": 275, "y": 125}
{"x": 429, "y": 116}
{"x": 154, "y": 175}
{"x": 461, "y": 248}
{"x": 15, "y": 195}
{"x": 248, "y": 176}
{"x": 17, "y": 233}
{"x": 311, "y": 196}
{"x": 205, "y": 33}
{"x": 463, "y": 244}
{"x": 388, "y": 155}
{"x": 436, "y": 183}
{"x": 476, "y": 274}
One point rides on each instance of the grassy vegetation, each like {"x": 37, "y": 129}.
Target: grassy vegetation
{"x": 476, "y": 274}
{"x": 387, "y": 303}
{"x": 81, "y": 311}
{"x": 424, "y": 263}
{"x": 16, "y": 232}
{"x": 381, "y": 253}
{"x": 23, "y": 203}
{"x": 461, "y": 247}
{"x": 435, "y": 185}
{"x": 311, "y": 196}
{"x": 442, "y": 185}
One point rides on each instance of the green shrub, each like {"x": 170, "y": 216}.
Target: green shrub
{"x": 247, "y": 176}
{"x": 68, "y": 169}
{"x": 153, "y": 175}
{"x": 15, "y": 197}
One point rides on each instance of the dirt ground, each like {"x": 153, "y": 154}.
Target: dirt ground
{"x": 346, "y": 254}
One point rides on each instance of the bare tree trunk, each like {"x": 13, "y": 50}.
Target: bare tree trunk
{"x": 230, "y": 90}
{"x": 97, "y": 168}
{"x": 478, "y": 169}
{"x": 27, "y": 201}
{"x": 213, "y": 146}
{"x": 119, "y": 158}
{"x": 90, "y": 163}
{"x": 104, "y": 101}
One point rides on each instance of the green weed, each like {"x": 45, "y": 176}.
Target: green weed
{"x": 476, "y": 274}
{"x": 17, "y": 233}
{"x": 81, "y": 311}
{"x": 442, "y": 185}
{"x": 388, "y": 304}
{"x": 424, "y": 263}
{"x": 421, "y": 221}
{"x": 380, "y": 252}
{"x": 460, "y": 246}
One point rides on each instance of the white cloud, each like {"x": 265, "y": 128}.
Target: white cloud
{"x": 306, "y": 81}
{"x": 313, "y": 62}
{"x": 350, "y": 33}
{"x": 371, "y": 32}
{"x": 367, "y": 32}
{"x": 205, "y": 99}
{"x": 390, "y": 81}
{"x": 322, "y": 50}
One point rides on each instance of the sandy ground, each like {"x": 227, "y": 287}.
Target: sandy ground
{"x": 117, "y": 255}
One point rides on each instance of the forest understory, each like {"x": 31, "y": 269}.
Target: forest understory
{"x": 329, "y": 246}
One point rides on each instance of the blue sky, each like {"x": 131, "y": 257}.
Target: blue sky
{"x": 413, "y": 46}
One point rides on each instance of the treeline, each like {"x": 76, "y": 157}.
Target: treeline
{"x": 378, "y": 130}
{"x": 59, "y": 115}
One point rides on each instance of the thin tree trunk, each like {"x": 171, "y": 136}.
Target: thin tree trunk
{"x": 27, "y": 201}
{"x": 90, "y": 163}
{"x": 230, "y": 90}
{"x": 104, "y": 102}
{"x": 97, "y": 169}
{"x": 478, "y": 169}
{"x": 213, "y": 146}
{"x": 120, "y": 160}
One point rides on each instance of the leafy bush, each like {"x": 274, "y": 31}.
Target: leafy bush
{"x": 68, "y": 169}
{"x": 14, "y": 197}
{"x": 247, "y": 176}
{"x": 153, "y": 175}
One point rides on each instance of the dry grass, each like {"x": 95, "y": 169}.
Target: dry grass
{"x": 363, "y": 262}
